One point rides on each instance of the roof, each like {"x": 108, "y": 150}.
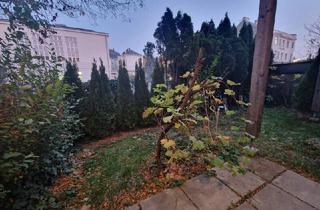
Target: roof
{"x": 131, "y": 52}
{"x": 113, "y": 53}
{"x": 63, "y": 26}
{"x": 291, "y": 68}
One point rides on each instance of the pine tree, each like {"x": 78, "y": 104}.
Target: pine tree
{"x": 141, "y": 93}
{"x": 226, "y": 61}
{"x": 126, "y": 117}
{"x": 71, "y": 77}
{"x": 157, "y": 76}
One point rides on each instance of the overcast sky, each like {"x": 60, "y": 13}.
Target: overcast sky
{"x": 291, "y": 17}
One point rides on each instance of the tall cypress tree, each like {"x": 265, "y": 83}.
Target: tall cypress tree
{"x": 141, "y": 93}
{"x": 71, "y": 77}
{"x": 126, "y": 117}
{"x": 107, "y": 102}
{"x": 92, "y": 110}
{"x": 157, "y": 76}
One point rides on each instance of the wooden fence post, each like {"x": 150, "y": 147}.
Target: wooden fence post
{"x": 261, "y": 59}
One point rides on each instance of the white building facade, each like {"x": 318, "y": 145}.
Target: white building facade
{"x": 283, "y": 44}
{"x": 80, "y": 46}
{"x": 130, "y": 59}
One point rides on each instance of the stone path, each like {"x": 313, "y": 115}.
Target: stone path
{"x": 267, "y": 186}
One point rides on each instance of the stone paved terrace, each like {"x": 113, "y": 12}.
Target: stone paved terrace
{"x": 267, "y": 186}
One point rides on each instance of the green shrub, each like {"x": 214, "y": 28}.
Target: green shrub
{"x": 37, "y": 128}
{"x": 304, "y": 93}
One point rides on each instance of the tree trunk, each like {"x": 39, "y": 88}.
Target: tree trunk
{"x": 261, "y": 60}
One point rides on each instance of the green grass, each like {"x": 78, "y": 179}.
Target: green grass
{"x": 285, "y": 138}
{"x": 115, "y": 167}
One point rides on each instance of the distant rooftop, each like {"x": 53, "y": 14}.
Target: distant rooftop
{"x": 131, "y": 52}
{"x": 113, "y": 53}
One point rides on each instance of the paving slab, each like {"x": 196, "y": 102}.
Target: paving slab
{"x": 172, "y": 199}
{"x": 240, "y": 183}
{"x": 273, "y": 198}
{"x": 134, "y": 207}
{"x": 245, "y": 206}
{"x": 209, "y": 193}
{"x": 299, "y": 186}
{"x": 266, "y": 169}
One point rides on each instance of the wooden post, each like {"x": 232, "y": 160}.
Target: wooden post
{"x": 261, "y": 59}
{"x": 316, "y": 95}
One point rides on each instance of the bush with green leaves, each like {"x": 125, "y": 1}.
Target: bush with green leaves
{"x": 37, "y": 126}
{"x": 188, "y": 105}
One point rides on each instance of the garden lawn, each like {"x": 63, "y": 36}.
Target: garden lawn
{"x": 294, "y": 142}
{"x": 119, "y": 166}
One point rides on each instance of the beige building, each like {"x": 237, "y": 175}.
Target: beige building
{"x": 130, "y": 58}
{"x": 77, "y": 45}
{"x": 283, "y": 44}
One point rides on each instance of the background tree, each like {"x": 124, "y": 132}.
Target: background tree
{"x": 107, "y": 102}
{"x": 246, "y": 34}
{"x": 141, "y": 93}
{"x": 149, "y": 60}
{"x": 99, "y": 107}
{"x": 314, "y": 36}
{"x": 76, "y": 94}
{"x": 305, "y": 90}
{"x": 126, "y": 117}
{"x": 157, "y": 76}
{"x": 224, "y": 29}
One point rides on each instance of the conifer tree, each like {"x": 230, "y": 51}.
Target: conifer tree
{"x": 157, "y": 76}
{"x": 141, "y": 93}
{"x": 246, "y": 34}
{"x": 126, "y": 117}
{"x": 224, "y": 29}
{"x": 92, "y": 108}
{"x": 71, "y": 77}
{"x": 107, "y": 102}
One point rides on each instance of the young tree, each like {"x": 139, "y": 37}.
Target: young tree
{"x": 126, "y": 117}
{"x": 157, "y": 76}
{"x": 141, "y": 93}
{"x": 71, "y": 77}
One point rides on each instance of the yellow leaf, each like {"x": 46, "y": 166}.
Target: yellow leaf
{"x": 186, "y": 75}
{"x": 168, "y": 143}
{"x": 232, "y": 83}
{"x": 147, "y": 112}
{"x": 177, "y": 125}
{"x": 196, "y": 88}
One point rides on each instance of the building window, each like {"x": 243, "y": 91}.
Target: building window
{"x": 292, "y": 44}
{"x": 275, "y": 40}
{"x": 281, "y": 56}
{"x": 285, "y": 56}
{"x": 72, "y": 48}
{"x": 56, "y": 42}
{"x": 287, "y": 44}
